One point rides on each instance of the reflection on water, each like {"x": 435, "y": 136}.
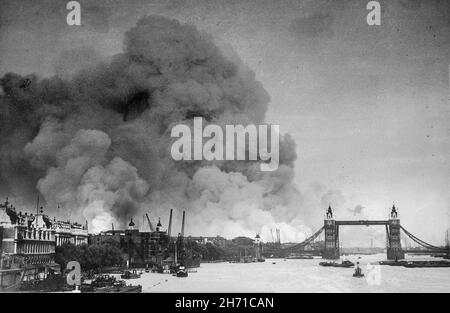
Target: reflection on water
{"x": 300, "y": 276}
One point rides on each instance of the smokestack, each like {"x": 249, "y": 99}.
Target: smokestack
{"x": 182, "y": 224}
{"x": 112, "y": 227}
{"x": 169, "y": 229}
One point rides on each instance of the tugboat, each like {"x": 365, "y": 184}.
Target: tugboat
{"x": 182, "y": 272}
{"x": 130, "y": 275}
{"x": 358, "y": 272}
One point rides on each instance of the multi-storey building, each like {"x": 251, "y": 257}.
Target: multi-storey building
{"x": 67, "y": 232}
{"x": 145, "y": 246}
{"x": 148, "y": 245}
{"x": 28, "y": 243}
{"x": 217, "y": 240}
{"x": 27, "y": 246}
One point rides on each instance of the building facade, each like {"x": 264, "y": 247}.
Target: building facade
{"x": 140, "y": 247}
{"x": 67, "y": 232}
{"x": 217, "y": 240}
{"x": 27, "y": 247}
{"x": 28, "y": 243}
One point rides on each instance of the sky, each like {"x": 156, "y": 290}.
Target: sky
{"x": 368, "y": 106}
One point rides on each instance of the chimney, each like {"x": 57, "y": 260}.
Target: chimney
{"x": 182, "y": 224}
{"x": 170, "y": 223}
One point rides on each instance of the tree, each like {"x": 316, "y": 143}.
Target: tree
{"x": 90, "y": 257}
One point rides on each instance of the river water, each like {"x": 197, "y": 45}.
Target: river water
{"x": 300, "y": 276}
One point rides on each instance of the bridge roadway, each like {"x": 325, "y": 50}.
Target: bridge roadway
{"x": 412, "y": 251}
{"x": 362, "y": 222}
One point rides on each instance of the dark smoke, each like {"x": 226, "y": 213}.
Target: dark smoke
{"x": 357, "y": 210}
{"x": 96, "y": 141}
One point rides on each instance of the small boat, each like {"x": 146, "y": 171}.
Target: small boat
{"x": 300, "y": 257}
{"x": 157, "y": 269}
{"x": 182, "y": 272}
{"x": 130, "y": 275}
{"x": 392, "y": 263}
{"x": 358, "y": 273}
{"x": 128, "y": 289}
{"x": 261, "y": 260}
{"x": 413, "y": 264}
{"x": 345, "y": 263}
{"x": 109, "y": 284}
{"x": 118, "y": 287}
{"x": 147, "y": 270}
{"x": 294, "y": 256}
{"x": 103, "y": 281}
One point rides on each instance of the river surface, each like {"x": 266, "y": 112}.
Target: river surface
{"x": 300, "y": 276}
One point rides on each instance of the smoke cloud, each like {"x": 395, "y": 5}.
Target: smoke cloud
{"x": 96, "y": 140}
{"x": 357, "y": 210}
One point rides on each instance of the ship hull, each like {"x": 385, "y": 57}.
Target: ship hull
{"x": 11, "y": 279}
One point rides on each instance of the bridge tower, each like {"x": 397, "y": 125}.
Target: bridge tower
{"x": 394, "y": 246}
{"x": 331, "y": 250}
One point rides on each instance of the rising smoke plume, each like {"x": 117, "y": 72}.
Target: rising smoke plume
{"x": 97, "y": 142}
{"x": 357, "y": 210}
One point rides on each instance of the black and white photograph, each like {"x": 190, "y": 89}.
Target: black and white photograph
{"x": 244, "y": 147}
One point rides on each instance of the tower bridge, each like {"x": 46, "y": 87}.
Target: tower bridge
{"x": 331, "y": 248}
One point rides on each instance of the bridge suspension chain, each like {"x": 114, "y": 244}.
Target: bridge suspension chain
{"x": 307, "y": 240}
{"x": 419, "y": 241}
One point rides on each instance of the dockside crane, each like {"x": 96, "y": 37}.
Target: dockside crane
{"x": 149, "y": 223}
